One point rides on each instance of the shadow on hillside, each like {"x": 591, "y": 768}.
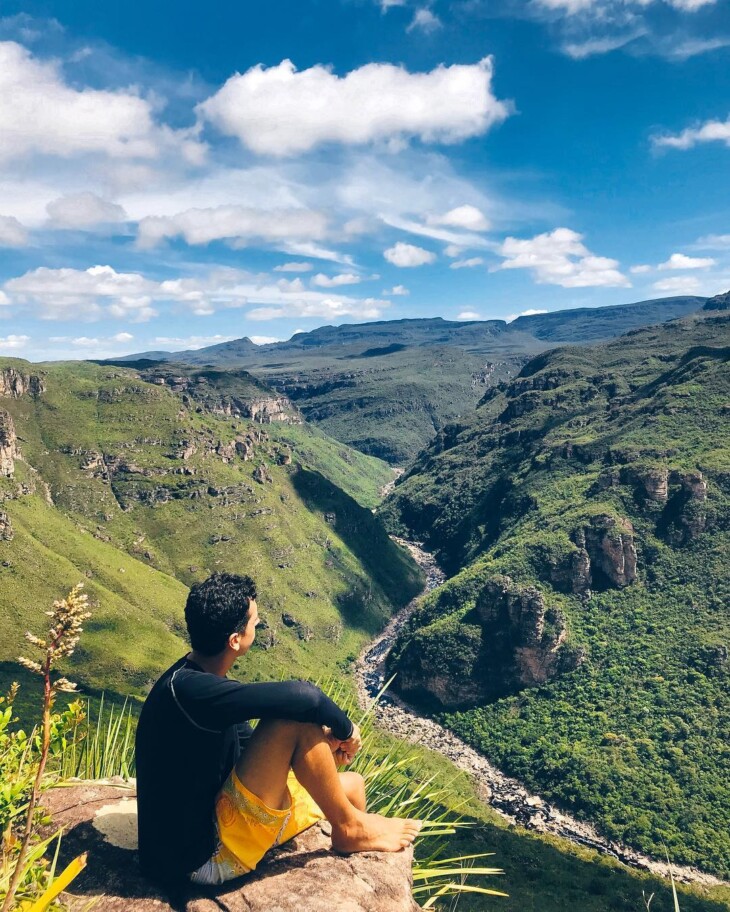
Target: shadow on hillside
{"x": 27, "y": 706}
{"x": 386, "y": 564}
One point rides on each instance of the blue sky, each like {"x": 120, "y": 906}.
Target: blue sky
{"x": 176, "y": 174}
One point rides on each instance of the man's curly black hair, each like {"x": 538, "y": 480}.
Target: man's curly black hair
{"x": 216, "y": 608}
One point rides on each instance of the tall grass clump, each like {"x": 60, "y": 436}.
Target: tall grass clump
{"x": 395, "y": 788}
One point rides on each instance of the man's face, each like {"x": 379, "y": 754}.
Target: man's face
{"x": 246, "y": 637}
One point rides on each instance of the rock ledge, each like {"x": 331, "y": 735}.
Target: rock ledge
{"x": 302, "y": 876}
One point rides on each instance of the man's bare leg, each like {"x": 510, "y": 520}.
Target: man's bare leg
{"x": 354, "y": 786}
{"x": 276, "y": 746}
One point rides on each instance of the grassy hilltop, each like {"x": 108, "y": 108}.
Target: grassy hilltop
{"x": 582, "y": 642}
{"x": 143, "y": 484}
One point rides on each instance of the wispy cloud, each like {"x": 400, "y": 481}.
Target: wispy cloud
{"x": 710, "y": 131}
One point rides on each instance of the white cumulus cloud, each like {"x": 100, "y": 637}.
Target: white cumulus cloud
{"x": 83, "y": 210}
{"x": 344, "y": 278}
{"x": 264, "y": 340}
{"x": 559, "y": 257}
{"x": 681, "y": 261}
{"x": 280, "y": 111}
{"x": 396, "y": 290}
{"x": 468, "y": 315}
{"x": 60, "y": 294}
{"x": 40, "y": 112}
{"x": 408, "y": 255}
{"x": 530, "y": 312}
{"x": 12, "y": 342}
{"x": 425, "y": 21}
{"x": 102, "y": 292}
{"x": 678, "y": 285}
{"x": 294, "y": 267}
{"x": 468, "y": 217}
{"x": 469, "y": 263}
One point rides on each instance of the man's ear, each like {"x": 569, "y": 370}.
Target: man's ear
{"x": 234, "y": 641}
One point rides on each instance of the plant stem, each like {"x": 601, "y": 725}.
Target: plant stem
{"x": 36, "y": 790}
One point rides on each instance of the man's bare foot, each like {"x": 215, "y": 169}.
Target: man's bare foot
{"x": 375, "y": 833}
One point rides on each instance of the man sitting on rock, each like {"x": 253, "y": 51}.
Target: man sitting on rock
{"x": 213, "y": 794}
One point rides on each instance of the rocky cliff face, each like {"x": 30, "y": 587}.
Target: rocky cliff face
{"x": 512, "y": 640}
{"x": 719, "y": 302}
{"x": 8, "y": 445}
{"x": 523, "y": 634}
{"x": 609, "y": 544}
{"x": 14, "y": 384}
{"x": 234, "y": 394}
{"x": 6, "y": 528}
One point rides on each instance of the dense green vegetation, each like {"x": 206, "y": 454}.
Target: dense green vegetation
{"x": 565, "y": 468}
{"x": 387, "y": 388}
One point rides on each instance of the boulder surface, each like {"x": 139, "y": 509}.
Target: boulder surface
{"x": 304, "y": 875}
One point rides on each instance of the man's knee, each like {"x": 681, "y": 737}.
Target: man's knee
{"x": 354, "y": 786}
{"x": 296, "y": 731}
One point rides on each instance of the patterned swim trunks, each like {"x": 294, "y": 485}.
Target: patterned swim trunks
{"x": 247, "y": 828}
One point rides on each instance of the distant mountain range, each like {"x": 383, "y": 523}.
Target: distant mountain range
{"x": 372, "y": 385}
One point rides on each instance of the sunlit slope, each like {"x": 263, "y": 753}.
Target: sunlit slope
{"x": 126, "y": 485}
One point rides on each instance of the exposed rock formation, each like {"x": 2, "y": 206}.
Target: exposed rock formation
{"x": 685, "y": 515}
{"x": 8, "y": 445}
{"x": 13, "y": 384}
{"x": 512, "y": 640}
{"x": 609, "y": 544}
{"x": 244, "y": 448}
{"x": 302, "y": 876}
{"x": 652, "y": 482}
{"x": 522, "y": 630}
{"x": 6, "y": 527}
{"x": 719, "y": 302}
{"x": 261, "y": 474}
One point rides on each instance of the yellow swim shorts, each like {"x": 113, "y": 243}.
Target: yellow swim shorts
{"x": 247, "y": 828}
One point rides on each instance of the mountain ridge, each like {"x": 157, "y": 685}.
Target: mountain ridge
{"x": 387, "y": 387}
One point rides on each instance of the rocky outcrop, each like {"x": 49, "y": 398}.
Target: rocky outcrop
{"x": 14, "y": 384}
{"x": 8, "y": 445}
{"x": 719, "y": 302}
{"x": 522, "y": 630}
{"x": 261, "y": 474}
{"x": 302, "y": 630}
{"x": 608, "y": 542}
{"x": 244, "y": 448}
{"x": 652, "y": 482}
{"x": 304, "y": 875}
{"x": 512, "y": 640}
{"x": 685, "y": 514}
{"x": 6, "y": 527}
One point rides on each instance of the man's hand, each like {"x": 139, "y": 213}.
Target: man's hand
{"x": 344, "y": 751}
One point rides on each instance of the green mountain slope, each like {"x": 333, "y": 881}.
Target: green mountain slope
{"x": 582, "y": 642}
{"x": 143, "y": 482}
{"x": 388, "y": 387}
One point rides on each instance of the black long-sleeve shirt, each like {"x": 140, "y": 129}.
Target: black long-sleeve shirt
{"x": 191, "y": 731}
